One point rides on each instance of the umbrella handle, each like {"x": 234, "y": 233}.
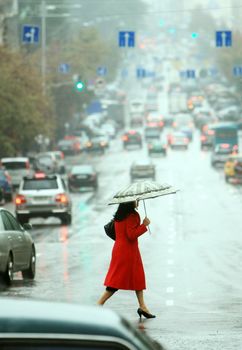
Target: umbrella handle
{"x": 146, "y": 215}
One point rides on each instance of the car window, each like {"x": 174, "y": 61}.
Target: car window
{"x": 43, "y": 184}
{"x": 14, "y": 224}
{"x": 8, "y": 225}
{"x": 14, "y": 165}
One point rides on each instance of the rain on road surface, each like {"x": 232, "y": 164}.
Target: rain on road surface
{"x": 192, "y": 257}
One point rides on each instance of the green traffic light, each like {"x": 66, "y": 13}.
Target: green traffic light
{"x": 194, "y": 35}
{"x": 79, "y": 85}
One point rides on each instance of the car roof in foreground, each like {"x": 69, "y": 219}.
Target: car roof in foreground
{"x": 43, "y": 317}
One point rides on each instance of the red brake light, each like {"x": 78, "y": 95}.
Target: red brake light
{"x": 235, "y": 147}
{"x": 203, "y": 138}
{"x": 225, "y": 145}
{"x": 39, "y": 175}
{"x": 132, "y": 132}
{"x": 61, "y": 198}
{"x": 186, "y": 140}
{"x": 210, "y": 132}
{"x": 62, "y": 155}
{"x": 161, "y": 123}
{"x": 125, "y": 138}
{"x": 20, "y": 199}
{"x": 174, "y": 124}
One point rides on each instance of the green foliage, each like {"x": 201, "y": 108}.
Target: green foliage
{"x": 24, "y": 111}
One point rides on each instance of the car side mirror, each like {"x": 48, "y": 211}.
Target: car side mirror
{"x": 27, "y": 226}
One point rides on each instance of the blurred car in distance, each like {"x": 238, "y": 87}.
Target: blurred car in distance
{"x": 50, "y": 325}
{"x": 233, "y": 168}
{"x": 6, "y": 185}
{"x": 142, "y": 169}
{"x": 50, "y": 162}
{"x": 97, "y": 144}
{"x": 178, "y": 140}
{"x": 70, "y": 146}
{"x": 43, "y": 196}
{"x": 157, "y": 147}
{"x": 17, "y": 249}
{"x": 221, "y": 153}
{"x": 132, "y": 138}
{"x": 188, "y": 131}
{"x": 81, "y": 176}
{"x": 152, "y": 133}
{"x": 155, "y": 120}
{"x": 17, "y": 167}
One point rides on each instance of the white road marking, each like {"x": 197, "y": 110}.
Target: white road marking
{"x": 170, "y": 275}
{"x": 170, "y": 262}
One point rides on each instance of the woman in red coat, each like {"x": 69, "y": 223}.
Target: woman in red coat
{"x": 126, "y": 267}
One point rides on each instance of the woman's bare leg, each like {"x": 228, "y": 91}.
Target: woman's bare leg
{"x": 140, "y": 297}
{"x": 106, "y": 295}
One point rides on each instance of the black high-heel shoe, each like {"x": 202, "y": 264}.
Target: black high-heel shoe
{"x": 144, "y": 313}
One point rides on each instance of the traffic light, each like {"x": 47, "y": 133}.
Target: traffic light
{"x": 79, "y": 85}
{"x": 194, "y": 35}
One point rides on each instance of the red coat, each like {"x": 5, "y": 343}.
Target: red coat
{"x": 126, "y": 267}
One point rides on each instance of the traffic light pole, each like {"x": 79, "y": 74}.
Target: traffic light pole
{"x": 43, "y": 45}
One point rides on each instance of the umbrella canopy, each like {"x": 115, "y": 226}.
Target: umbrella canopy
{"x": 142, "y": 190}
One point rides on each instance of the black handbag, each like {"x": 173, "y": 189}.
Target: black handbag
{"x": 110, "y": 229}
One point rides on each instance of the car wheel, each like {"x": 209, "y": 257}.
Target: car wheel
{"x": 30, "y": 272}
{"x": 8, "y": 275}
{"x": 66, "y": 219}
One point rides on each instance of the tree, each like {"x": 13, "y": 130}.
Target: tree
{"x": 24, "y": 111}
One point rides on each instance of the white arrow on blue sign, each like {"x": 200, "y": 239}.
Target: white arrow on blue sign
{"x": 223, "y": 38}
{"x": 126, "y": 39}
{"x": 102, "y": 71}
{"x": 140, "y": 73}
{"x": 237, "y": 71}
{"x": 30, "y": 34}
{"x": 64, "y": 68}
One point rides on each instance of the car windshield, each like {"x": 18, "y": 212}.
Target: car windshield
{"x": 44, "y": 184}
{"x": 112, "y": 97}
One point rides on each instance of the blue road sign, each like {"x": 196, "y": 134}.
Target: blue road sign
{"x": 190, "y": 73}
{"x": 124, "y": 73}
{"x": 213, "y": 72}
{"x": 64, "y": 68}
{"x": 30, "y": 34}
{"x": 126, "y": 39}
{"x": 223, "y": 38}
{"x": 140, "y": 73}
{"x": 237, "y": 71}
{"x": 102, "y": 71}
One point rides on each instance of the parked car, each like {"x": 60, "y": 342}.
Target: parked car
{"x": 17, "y": 249}
{"x": 178, "y": 140}
{"x": 142, "y": 169}
{"x": 17, "y": 167}
{"x": 132, "y": 138}
{"x": 43, "y": 196}
{"x": 221, "y": 154}
{"x": 6, "y": 185}
{"x": 45, "y": 325}
{"x": 157, "y": 147}
{"x": 233, "y": 168}
{"x": 82, "y": 176}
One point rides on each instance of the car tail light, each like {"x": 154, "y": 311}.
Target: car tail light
{"x": 39, "y": 175}
{"x": 20, "y": 199}
{"x": 235, "y": 148}
{"x": 174, "y": 124}
{"x": 125, "y": 138}
{"x": 186, "y": 140}
{"x": 203, "y": 138}
{"x": 161, "y": 123}
{"x": 132, "y": 132}
{"x": 89, "y": 144}
{"x": 210, "y": 132}
{"x": 103, "y": 143}
{"x": 61, "y": 198}
{"x": 225, "y": 145}
{"x": 62, "y": 155}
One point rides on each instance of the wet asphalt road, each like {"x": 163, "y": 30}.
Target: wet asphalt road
{"x": 192, "y": 257}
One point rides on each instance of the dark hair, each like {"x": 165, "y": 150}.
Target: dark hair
{"x": 124, "y": 210}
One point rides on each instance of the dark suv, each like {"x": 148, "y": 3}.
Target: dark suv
{"x": 132, "y": 138}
